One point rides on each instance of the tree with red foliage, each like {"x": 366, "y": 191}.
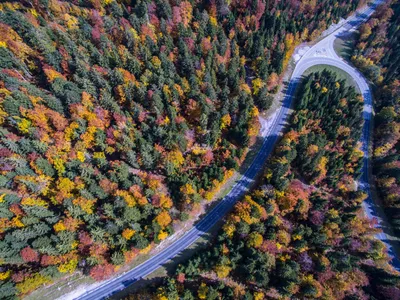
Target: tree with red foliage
{"x": 181, "y": 277}
{"x": 29, "y": 255}
{"x": 101, "y": 272}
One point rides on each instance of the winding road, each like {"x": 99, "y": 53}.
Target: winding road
{"x": 321, "y": 53}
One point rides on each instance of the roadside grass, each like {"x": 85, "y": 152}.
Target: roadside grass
{"x": 342, "y": 75}
{"x": 59, "y": 289}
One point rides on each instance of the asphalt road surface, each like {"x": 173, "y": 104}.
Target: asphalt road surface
{"x": 320, "y": 53}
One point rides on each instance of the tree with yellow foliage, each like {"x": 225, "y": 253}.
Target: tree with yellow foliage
{"x": 163, "y": 219}
{"x": 175, "y": 157}
{"x": 222, "y": 270}
{"x": 254, "y": 240}
{"x": 202, "y": 291}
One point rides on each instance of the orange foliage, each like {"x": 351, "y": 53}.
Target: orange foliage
{"x": 163, "y": 219}
{"x": 127, "y": 233}
{"x": 272, "y": 81}
{"x": 186, "y": 12}
{"x": 52, "y": 74}
{"x": 292, "y": 195}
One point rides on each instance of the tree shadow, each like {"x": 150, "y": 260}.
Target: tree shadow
{"x": 391, "y": 244}
{"x": 347, "y": 39}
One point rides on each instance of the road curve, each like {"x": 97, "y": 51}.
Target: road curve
{"x": 371, "y": 209}
{"x": 116, "y": 284}
{"x": 323, "y": 53}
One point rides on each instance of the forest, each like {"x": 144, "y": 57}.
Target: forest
{"x": 301, "y": 233}
{"x": 117, "y": 118}
{"x": 377, "y": 54}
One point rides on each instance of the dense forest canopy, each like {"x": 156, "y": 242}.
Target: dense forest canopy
{"x": 301, "y": 234}
{"x": 377, "y": 54}
{"x": 118, "y": 117}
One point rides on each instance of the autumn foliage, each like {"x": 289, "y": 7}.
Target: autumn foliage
{"x": 377, "y": 53}
{"x": 119, "y": 117}
{"x": 295, "y": 237}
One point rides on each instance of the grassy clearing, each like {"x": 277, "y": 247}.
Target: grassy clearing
{"x": 339, "y": 73}
{"x": 344, "y": 45}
